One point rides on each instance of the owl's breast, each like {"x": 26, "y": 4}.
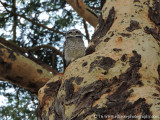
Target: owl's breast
{"x": 74, "y": 49}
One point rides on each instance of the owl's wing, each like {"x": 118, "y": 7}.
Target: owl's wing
{"x": 64, "y": 61}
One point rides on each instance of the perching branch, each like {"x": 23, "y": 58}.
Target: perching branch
{"x": 46, "y": 46}
{"x": 84, "y": 11}
{"x": 22, "y": 50}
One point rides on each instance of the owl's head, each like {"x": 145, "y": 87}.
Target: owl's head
{"x": 74, "y": 33}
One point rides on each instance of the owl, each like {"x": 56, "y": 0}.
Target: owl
{"x": 73, "y": 47}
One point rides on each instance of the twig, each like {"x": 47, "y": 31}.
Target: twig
{"x": 14, "y": 20}
{"x": 86, "y": 30}
{"x": 46, "y": 46}
{"x": 15, "y": 47}
{"x": 17, "y": 96}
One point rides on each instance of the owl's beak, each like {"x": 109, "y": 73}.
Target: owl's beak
{"x": 74, "y": 33}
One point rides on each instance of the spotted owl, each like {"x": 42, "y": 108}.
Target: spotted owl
{"x": 73, "y": 47}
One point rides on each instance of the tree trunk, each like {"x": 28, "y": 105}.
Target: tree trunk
{"x": 119, "y": 78}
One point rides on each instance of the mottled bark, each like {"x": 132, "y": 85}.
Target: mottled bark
{"x": 119, "y": 76}
{"x": 21, "y": 71}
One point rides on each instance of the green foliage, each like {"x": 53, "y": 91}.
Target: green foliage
{"x": 19, "y": 103}
{"x": 29, "y": 16}
{"x": 96, "y": 6}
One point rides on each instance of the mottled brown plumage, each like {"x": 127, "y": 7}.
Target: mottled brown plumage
{"x": 73, "y": 47}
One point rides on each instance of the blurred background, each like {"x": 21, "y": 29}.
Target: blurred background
{"x": 32, "y": 23}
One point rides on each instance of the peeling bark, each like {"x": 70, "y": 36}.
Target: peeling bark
{"x": 154, "y": 12}
{"x": 133, "y": 26}
{"x": 104, "y": 25}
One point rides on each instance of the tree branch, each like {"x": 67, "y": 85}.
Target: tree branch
{"x": 46, "y": 46}
{"x": 22, "y": 71}
{"x": 13, "y": 46}
{"x": 22, "y": 50}
{"x": 14, "y": 28}
{"x": 86, "y": 30}
{"x": 17, "y": 97}
{"x": 84, "y": 11}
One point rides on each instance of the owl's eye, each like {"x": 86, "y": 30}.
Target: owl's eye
{"x": 78, "y": 32}
{"x": 78, "y": 36}
{"x": 69, "y": 32}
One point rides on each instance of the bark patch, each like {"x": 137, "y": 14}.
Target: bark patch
{"x": 52, "y": 89}
{"x": 135, "y": 61}
{"x": 12, "y": 56}
{"x": 78, "y": 80}
{"x": 125, "y": 35}
{"x": 131, "y": 75}
{"x": 39, "y": 71}
{"x": 117, "y": 50}
{"x": 58, "y": 110}
{"x": 90, "y": 50}
{"x": 117, "y": 104}
{"x": 140, "y": 83}
{"x": 124, "y": 57}
{"x": 6, "y": 66}
{"x": 107, "y": 39}
{"x": 82, "y": 99}
{"x": 155, "y": 95}
{"x": 104, "y": 26}
{"x": 154, "y": 12}
{"x": 39, "y": 112}
{"x": 103, "y": 62}
{"x": 158, "y": 69}
{"x": 153, "y": 32}
{"x": 96, "y": 41}
{"x": 136, "y": 1}
{"x": 69, "y": 88}
{"x": 85, "y": 98}
{"x": 133, "y": 26}
{"x": 84, "y": 64}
